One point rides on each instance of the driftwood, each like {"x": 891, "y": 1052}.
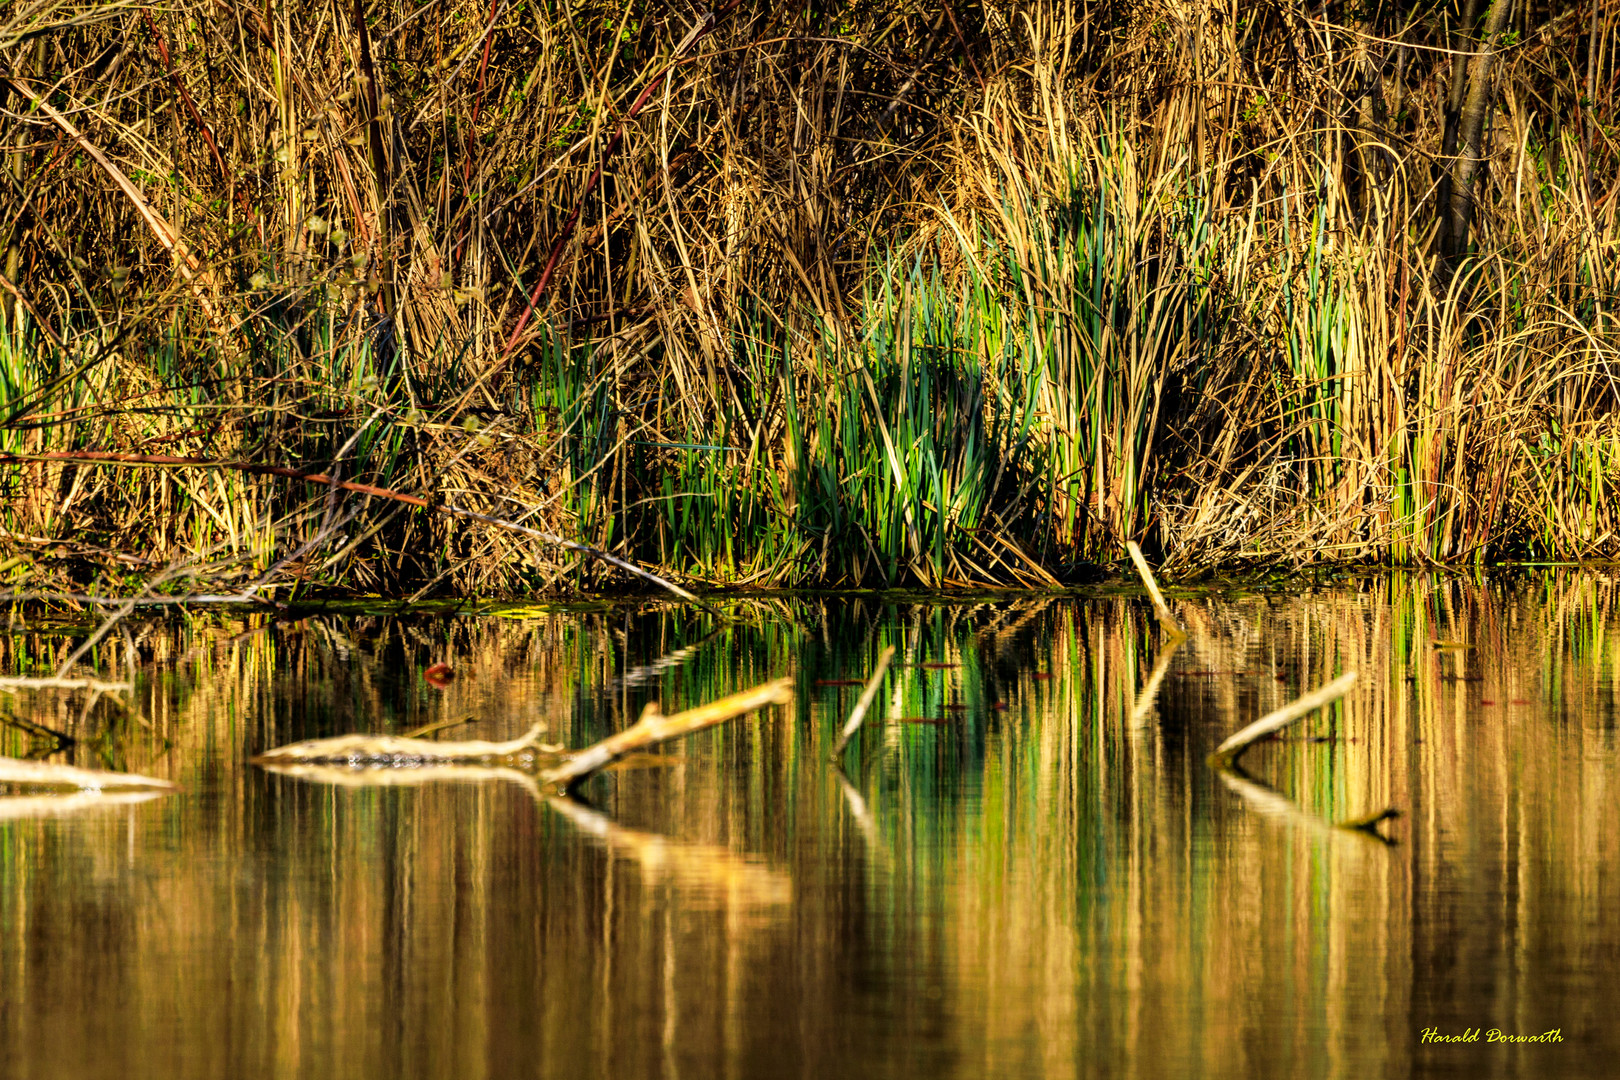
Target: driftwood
{"x": 858, "y": 713}
{"x": 1166, "y": 619}
{"x": 863, "y": 817}
{"x": 43, "y": 774}
{"x": 1227, "y": 753}
{"x": 396, "y": 759}
{"x": 703, "y": 871}
{"x": 367, "y": 776}
{"x": 654, "y": 728}
{"x": 403, "y": 752}
{"x": 12, "y": 683}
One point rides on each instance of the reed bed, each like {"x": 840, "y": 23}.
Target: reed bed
{"x": 927, "y": 294}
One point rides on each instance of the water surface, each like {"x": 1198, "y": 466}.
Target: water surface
{"x": 1026, "y": 869}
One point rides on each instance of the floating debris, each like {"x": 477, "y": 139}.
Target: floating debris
{"x": 1162, "y": 609}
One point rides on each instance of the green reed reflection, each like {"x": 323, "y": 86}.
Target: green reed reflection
{"x": 1026, "y": 870}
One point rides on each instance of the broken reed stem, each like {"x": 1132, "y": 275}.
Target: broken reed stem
{"x": 1166, "y": 620}
{"x": 110, "y": 457}
{"x": 654, "y": 728}
{"x": 1226, "y": 754}
{"x": 43, "y": 774}
{"x": 858, "y": 713}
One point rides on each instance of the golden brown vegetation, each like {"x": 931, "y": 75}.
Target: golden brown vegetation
{"x": 932, "y": 293}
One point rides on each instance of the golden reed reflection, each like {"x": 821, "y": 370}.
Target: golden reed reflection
{"x": 1043, "y": 879}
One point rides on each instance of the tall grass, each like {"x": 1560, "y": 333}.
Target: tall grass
{"x": 870, "y": 296}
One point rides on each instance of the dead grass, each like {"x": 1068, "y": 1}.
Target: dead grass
{"x": 930, "y": 293}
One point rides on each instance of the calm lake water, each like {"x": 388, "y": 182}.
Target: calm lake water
{"x": 1029, "y": 869}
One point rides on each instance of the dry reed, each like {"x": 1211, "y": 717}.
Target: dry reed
{"x": 869, "y": 295}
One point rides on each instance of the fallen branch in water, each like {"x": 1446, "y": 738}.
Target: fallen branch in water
{"x": 1150, "y": 689}
{"x": 12, "y": 683}
{"x": 711, "y": 874}
{"x": 1369, "y": 823}
{"x": 43, "y": 774}
{"x": 398, "y": 752}
{"x": 402, "y": 751}
{"x": 654, "y": 728}
{"x": 858, "y": 713}
{"x": 339, "y": 773}
{"x": 1226, "y": 754}
{"x": 1166, "y": 619}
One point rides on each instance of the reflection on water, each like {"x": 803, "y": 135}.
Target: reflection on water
{"x": 1042, "y": 879}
